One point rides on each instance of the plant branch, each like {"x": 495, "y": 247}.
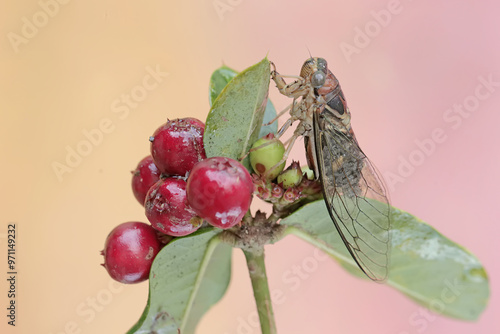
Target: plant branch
{"x": 257, "y": 270}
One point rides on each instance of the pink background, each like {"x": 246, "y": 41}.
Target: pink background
{"x": 64, "y": 79}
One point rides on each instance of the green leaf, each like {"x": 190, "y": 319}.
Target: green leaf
{"x": 188, "y": 276}
{"x": 426, "y": 266}
{"x": 236, "y": 116}
{"x": 220, "y": 78}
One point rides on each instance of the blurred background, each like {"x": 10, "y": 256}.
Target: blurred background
{"x": 114, "y": 71}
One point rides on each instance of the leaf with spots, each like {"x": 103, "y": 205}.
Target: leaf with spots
{"x": 425, "y": 265}
{"x": 220, "y": 78}
{"x": 237, "y": 114}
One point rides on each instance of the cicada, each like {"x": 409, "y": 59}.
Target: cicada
{"x": 353, "y": 190}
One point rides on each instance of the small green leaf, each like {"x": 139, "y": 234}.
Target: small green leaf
{"x": 236, "y": 116}
{"x": 188, "y": 276}
{"x": 426, "y": 266}
{"x": 219, "y": 79}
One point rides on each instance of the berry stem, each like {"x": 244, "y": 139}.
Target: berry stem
{"x": 257, "y": 270}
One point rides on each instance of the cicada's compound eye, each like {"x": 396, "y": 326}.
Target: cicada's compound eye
{"x": 321, "y": 65}
{"x": 318, "y": 79}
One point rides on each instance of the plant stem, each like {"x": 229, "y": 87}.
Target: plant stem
{"x": 257, "y": 270}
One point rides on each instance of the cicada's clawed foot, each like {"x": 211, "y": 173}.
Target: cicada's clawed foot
{"x": 273, "y": 67}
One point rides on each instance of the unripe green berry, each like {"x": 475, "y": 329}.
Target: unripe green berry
{"x": 265, "y": 154}
{"x": 290, "y": 177}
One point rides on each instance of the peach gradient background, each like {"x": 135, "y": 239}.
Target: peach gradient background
{"x": 65, "y": 79}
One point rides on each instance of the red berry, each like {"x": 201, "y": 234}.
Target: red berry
{"x": 220, "y": 191}
{"x": 177, "y": 145}
{"x": 143, "y": 177}
{"x": 129, "y": 251}
{"x": 167, "y": 208}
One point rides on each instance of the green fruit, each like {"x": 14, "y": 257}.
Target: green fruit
{"x": 265, "y": 154}
{"x": 290, "y": 177}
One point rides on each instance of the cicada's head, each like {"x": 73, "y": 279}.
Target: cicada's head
{"x": 315, "y": 69}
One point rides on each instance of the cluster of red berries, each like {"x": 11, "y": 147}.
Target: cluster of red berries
{"x": 180, "y": 188}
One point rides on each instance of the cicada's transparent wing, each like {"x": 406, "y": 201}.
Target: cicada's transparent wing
{"x": 349, "y": 181}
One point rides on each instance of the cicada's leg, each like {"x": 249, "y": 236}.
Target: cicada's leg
{"x": 291, "y": 142}
{"x": 294, "y": 89}
{"x": 285, "y": 127}
{"x": 255, "y": 148}
{"x": 281, "y": 113}
{"x": 288, "y": 141}
{"x": 284, "y": 76}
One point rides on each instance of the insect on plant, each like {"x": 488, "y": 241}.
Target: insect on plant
{"x": 347, "y": 176}
{"x": 188, "y": 263}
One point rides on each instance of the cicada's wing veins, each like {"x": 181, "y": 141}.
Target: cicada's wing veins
{"x": 349, "y": 181}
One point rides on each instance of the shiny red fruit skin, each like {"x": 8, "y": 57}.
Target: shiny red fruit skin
{"x": 178, "y": 145}
{"x": 167, "y": 208}
{"x": 129, "y": 251}
{"x": 220, "y": 191}
{"x": 143, "y": 177}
